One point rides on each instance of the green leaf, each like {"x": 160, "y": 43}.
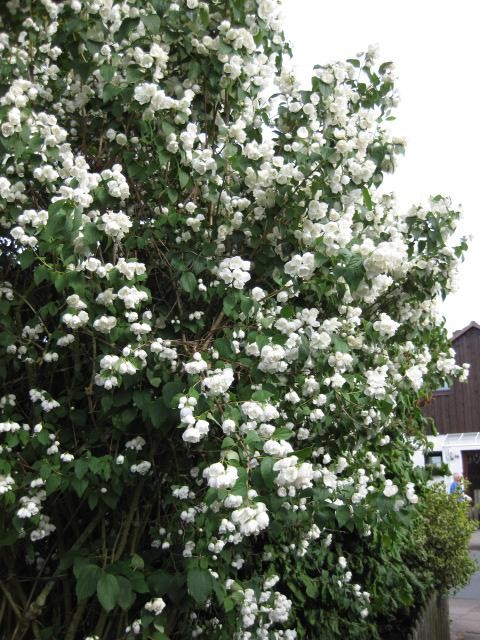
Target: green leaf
{"x": 320, "y": 259}
{"x": 342, "y": 515}
{"x": 353, "y": 271}
{"x": 26, "y": 258}
{"x": 87, "y": 578}
{"x": 261, "y": 395}
{"x": 107, "y": 402}
{"x": 157, "y": 412}
{"x": 228, "y": 604}
{"x": 282, "y": 434}
{"x": 81, "y": 468}
{"x": 183, "y": 178}
{"x": 126, "y": 596}
{"x": 53, "y": 483}
{"x": 340, "y": 345}
{"x": 40, "y": 274}
{"x": 267, "y": 472}
{"x": 57, "y": 214}
{"x": 138, "y": 582}
{"x": 60, "y": 281}
{"x": 91, "y": 234}
{"x": 168, "y": 128}
{"x": 304, "y": 454}
{"x": 367, "y": 200}
{"x": 229, "y": 304}
{"x": 303, "y": 350}
{"x": 188, "y": 282}
{"x": 172, "y": 195}
{"x": 152, "y": 22}
{"x": 154, "y": 380}
{"x": 129, "y": 24}
{"x": 170, "y": 390}
{"x": 92, "y": 501}
{"x": 160, "y": 582}
{"x": 227, "y": 443}
{"x": 107, "y": 72}
{"x": 224, "y": 348}
{"x": 252, "y": 438}
{"x": 84, "y": 69}
{"x": 199, "y": 582}
{"x": 79, "y": 486}
{"x": 204, "y": 17}
{"x": 108, "y": 590}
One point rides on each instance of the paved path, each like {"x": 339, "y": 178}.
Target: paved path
{"x": 464, "y": 606}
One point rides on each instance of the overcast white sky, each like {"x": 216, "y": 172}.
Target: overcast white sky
{"x": 435, "y": 45}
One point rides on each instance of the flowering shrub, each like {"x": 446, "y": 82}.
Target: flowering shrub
{"x": 215, "y": 328}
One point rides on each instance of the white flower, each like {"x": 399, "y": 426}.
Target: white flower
{"x": 142, "y": 468}
{"x": 105, "y": 324}
{"x": 390, "y": 489}
{"x": 228, "y": 426}
{"x": 131, "y": 296}
{"x": 234, "y": 271}
{"x": 258, "y": 294}
{"x": 6, "y": 483}
{"x": 116, "y": 225}
{"x": 106, "y": 298}
{"x": 376, "y": 382}
{"x": 75, "y": 302}
{"x": 273, "y": 359}
{"x": 337, "y": 381}
{"x": 386, "y": 326}
{"x": 415, "y": 375}
{"x": 410, "y": 493}
{"x": 129, "y": 269}
{"x": 75, "y": 321}
{"x": 140, "y": 328}
{"x": 155, "y": 606}
{"x": 302, "y": 132}
{"x": 277, "y": 448}
{"x": 218, "y": 381}
{"x": 135, "y": 444}
{"x": 9, "y": 426}
{"x": 220, "y": 477}
{"x": 251, "y": 520}
{"x": 232, "y": 501}
{"x": 194, "y": 433}
{"x": 301, "y": 266}
{"x": 196, "y": 365}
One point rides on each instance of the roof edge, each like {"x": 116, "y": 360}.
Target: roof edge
{"x": 461, "y": 332}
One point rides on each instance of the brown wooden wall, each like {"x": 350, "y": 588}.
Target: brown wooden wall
{"x": 458, "y": 409}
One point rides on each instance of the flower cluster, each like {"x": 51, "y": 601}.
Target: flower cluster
{"x": 216, "y": 328}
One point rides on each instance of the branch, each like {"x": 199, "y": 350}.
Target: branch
{"x": 10, "y": 601}
{"x": 77, "y": 618}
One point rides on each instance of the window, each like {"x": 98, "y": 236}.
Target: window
{"x": 433, "y": 459}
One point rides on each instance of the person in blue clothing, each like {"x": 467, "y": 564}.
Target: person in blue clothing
{"x": 456, "y": 485}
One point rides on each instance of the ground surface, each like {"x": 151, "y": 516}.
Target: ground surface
{"x": 465, "y": 605}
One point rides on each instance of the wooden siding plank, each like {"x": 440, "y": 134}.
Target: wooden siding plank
{"x": 459, "y": 410}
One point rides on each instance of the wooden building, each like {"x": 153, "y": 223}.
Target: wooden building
{"x": 456, "y": 412}
{"x": 457, "y": 409}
